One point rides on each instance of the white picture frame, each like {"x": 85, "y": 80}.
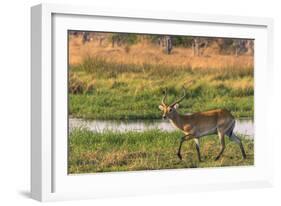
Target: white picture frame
{"x": 49, "y": 179}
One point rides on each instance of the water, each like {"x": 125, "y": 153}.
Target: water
{"x": 243, "y": 126}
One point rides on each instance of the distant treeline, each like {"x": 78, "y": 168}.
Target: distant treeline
{"x": 168, "y": 42}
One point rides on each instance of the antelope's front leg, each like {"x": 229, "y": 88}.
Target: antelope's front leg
{"x": 184, "y": 138}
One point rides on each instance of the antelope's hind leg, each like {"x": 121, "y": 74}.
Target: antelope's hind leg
{"x": 236, "y": 139}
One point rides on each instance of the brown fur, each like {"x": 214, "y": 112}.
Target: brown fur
{"x": 194, "y": 126}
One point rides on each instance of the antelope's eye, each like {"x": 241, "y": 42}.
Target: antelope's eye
{"x": 170, "y": 109}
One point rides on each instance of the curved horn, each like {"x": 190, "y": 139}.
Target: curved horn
{"x": 179, "y": 100}
{"x": 164, "y": 98}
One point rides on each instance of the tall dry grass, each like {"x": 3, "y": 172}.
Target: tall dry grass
{"x": 146, "y": 53}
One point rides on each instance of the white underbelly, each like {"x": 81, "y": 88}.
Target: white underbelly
{"x": 206, "y": 132}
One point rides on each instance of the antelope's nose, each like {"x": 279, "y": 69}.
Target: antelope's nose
{"x": 164, "y": 116}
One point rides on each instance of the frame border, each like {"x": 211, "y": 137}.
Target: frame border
{"x": 42, "y": 123}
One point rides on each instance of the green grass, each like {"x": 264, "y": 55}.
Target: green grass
{"x": 148, "y": 150}
{"x": 99, "y": 89}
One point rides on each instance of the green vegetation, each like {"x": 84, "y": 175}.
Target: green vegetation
{"x": 147, "y": 150}
{"x": 100, "y": 89}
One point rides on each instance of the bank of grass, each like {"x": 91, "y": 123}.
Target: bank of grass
{"x": 148, "y": 150}
{"x": 101, "y": 89}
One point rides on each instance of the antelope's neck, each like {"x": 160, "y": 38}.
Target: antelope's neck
{"x": 177, "y": 121}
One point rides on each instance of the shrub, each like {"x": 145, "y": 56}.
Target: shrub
{"x": 77, "y": 86}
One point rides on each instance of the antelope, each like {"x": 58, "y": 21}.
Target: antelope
{"x": 197, "y": 125}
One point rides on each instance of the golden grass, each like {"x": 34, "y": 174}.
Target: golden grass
{"x": 145, "y": 53}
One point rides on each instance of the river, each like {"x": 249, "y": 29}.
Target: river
{"x": 243, "y": 126}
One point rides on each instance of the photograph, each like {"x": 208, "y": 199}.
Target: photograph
{"x": 140, "y": 102}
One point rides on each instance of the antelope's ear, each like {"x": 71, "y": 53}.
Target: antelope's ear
{"x": 176, "y": 106}
{"x": 161, "y": 107}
